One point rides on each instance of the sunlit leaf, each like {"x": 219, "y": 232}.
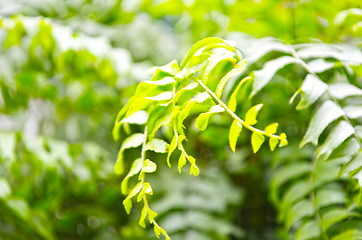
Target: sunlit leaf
{"x": 149, "y": 166}
{"x": 234, "y": 133}
{"x": 252, "y": 113}
{"x": 256, "y": 141}
{"x": 157, "y": 145}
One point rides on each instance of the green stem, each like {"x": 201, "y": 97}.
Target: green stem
{"x": 232, "y": 114}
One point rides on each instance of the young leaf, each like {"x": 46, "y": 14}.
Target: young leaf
{"x": 145, "y": 189}
{"x": 193, "y": 169}
{"x": 252, "y": 113}
{"x": 135, "y": 168}
{"x": 171, "y": 149}
{"x": 203, "y": 118}
{"x": 237, "y": 70}
{"x": 127, "y": 205}
{"x": 143, "y": 217}
{"x": 326, "y": 114}
{"x": 234, "y": 133}
{"x": 200, "y": 44}
{"x": 232, "y": 102}
{"x": 157, "y": 230}
{"x": 181, "y": 162}
{"x": 157, "y": 145}
{"x": 271, "y": 128}
{"x": 283, "y": 141}
{"x": 213, "y": 62}
{"x": 256, "y": 141}
{"x": 151, "y": 215}
{"x": 132, "y": 141}
{"x": 149, "y": 166}
{"x": 139, "y": 118}
{"x": 273, "y": 142}
{"x": 158, "y": 117}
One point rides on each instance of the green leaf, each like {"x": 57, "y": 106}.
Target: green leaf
{"x": 350, "y": 234}
{"x": 127, "y": 205}
{"x": 256, "y": 141}
{"x": 161, "y": 97}
{"x": 158, "y": 117}
{"x": 135, "y": 190}
{"x": 338, "y": 135}
{"x": 234, "y": 133}
{"x": 203, "y": 119}
{"x": 145, "y": 189}
{"x": 151, "y": 215}
{"x": 312, "y": 89}
{"x": 143, "y": 217}
{"x": 157, "y": 230}
{"x": 309, "y": 230}
{"x": 233, "y": 102}
{"x": 171, "y": 69}
{"x": 273, "y": 142}
{"x": 351, "y": 167}
{"x": 344, "y": 90}
{"x": 196, "y": 64}
{"x": 135, "y": 168}
{"x": 193, "y": 169}
{"x": 326, "y": 114}
{"x": 149, "y": 166}
{"x": 132, "y": 141}
{"x": 252, "y": 113}
{"x": 181, "y": 162}
{"x": 264, "y": 75}
{"x": 300, "y": 210}
{"x": 199, "y": 45}
{"x": 271, "y": 128}
{"x": 283, "y": 141}
{"x": 139, "y": 118}
{"x": 213, "y": 62}
{"x": 235, "y": 71}
{"x": 296, "y": 192}
{"x": 335, "y": 215}
{"x": 171, "y": 149}
{"x": 157, "y": 145}
{"x": 330, "y": 196}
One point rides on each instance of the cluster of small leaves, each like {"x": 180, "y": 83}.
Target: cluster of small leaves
{"x": 310, "y": 193}
{"x": 169, "y": 98}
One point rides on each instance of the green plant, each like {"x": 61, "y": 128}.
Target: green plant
{"x": 169, "y": 98}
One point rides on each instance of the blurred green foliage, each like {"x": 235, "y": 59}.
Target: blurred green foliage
{"x": 66, "y": 67}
